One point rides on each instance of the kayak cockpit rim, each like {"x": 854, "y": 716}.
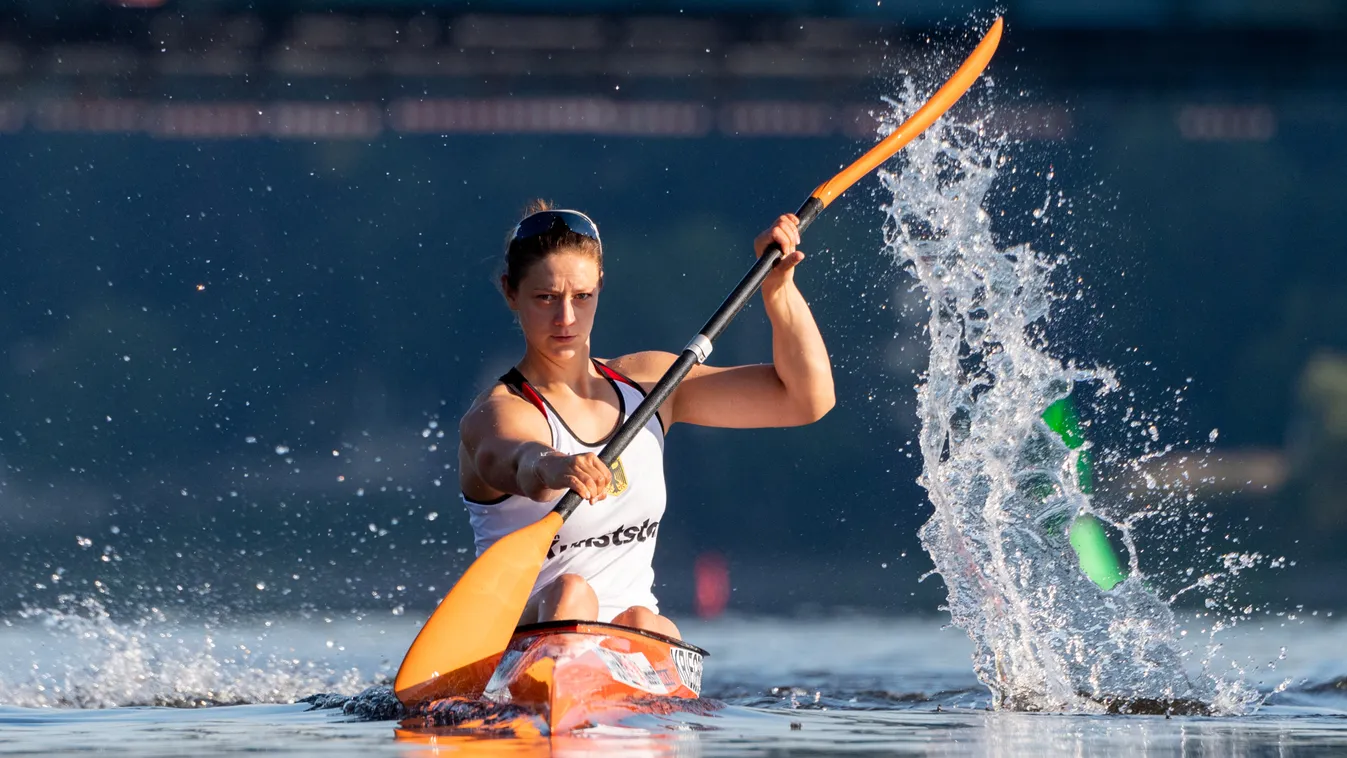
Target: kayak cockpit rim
{"x": 600, "y": 627}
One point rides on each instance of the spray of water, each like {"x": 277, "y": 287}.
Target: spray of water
{"x": 94, "y": 661}
{"x": 1003, "y": 485}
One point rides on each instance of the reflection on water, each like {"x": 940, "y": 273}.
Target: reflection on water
{"x": 742, "y": 732}
{"x": 626, "y": 741}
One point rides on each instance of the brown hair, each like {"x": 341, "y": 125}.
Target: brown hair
{"x": 521, "y": 254}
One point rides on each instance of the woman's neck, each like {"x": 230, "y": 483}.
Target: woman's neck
{"x": 576, "y": 373}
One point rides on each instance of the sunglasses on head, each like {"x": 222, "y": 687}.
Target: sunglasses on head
{"x": 543, "y": 222}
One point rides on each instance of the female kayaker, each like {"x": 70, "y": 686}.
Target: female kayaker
{"x": 538, "y": 432}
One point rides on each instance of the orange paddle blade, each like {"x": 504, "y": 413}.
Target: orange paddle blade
{"x": 934, "y": 108}
{"x": 457, "y": 649}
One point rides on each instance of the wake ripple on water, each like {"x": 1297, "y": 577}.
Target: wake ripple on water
{"x": 833, "y": 698}
{"x": 1002, "y": 483}
{"x": 377, "y": 703}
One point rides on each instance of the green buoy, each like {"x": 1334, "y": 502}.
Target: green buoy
{"x": 1098, "y": 561}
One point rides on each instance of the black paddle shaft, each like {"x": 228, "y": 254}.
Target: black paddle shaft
{"x": 690, "y": 355}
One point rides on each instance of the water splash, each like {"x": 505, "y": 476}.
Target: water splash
{"x": 1002, "y": 484}
{"x": 95, "y": 661}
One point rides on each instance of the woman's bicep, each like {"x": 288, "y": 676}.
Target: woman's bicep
{"x": 740, "y": 397}
{"x": 737, "y": 397}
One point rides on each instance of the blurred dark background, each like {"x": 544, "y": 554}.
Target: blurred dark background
{"x": 249, "y": 253}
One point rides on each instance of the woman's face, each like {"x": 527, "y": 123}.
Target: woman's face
{"x": 556, "y": 301}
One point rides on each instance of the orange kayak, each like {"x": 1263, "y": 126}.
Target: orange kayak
{"x": 576, "y": 674}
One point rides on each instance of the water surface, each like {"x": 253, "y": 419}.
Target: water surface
{"x": 852, "y": 685}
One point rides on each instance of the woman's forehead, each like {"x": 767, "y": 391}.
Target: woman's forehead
{"x": 573, "y": 267}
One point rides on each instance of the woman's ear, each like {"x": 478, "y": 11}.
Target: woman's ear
{"x": 507, "y": 292}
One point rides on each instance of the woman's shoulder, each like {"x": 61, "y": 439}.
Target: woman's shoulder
{"x": 496, "y": 393}
{"x": 645, "y": 368}
{"x": 494, "y": 405}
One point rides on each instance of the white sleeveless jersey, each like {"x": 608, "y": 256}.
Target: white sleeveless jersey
{"x": 610, "y": 543}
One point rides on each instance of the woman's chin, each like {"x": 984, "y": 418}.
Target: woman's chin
{"x": 565, "y": 349}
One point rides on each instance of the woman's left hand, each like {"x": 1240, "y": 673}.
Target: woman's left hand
{"x": 786, "y": 233}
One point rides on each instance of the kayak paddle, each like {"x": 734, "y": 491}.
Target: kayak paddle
{"x": 460, "y": 644}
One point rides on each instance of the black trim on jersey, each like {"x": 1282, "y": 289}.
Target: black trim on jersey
{"x": 516, "y": 380}
{"x": 664, "y": 429}
{"x": 493, "y": 501}
{"x": 621, "y": 416}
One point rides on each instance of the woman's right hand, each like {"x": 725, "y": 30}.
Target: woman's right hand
{"x": 584, "y": 473}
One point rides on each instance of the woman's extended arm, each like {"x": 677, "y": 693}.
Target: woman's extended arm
{"x": 503, "y": 449}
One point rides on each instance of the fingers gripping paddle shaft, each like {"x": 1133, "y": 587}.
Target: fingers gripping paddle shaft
{"x": 458, "y": 648}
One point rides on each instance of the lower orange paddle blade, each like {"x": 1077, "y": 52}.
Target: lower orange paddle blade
{"x": 458, "y": 647}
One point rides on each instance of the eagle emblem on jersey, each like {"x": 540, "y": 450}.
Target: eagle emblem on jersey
{"x": 619, "y": 483}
